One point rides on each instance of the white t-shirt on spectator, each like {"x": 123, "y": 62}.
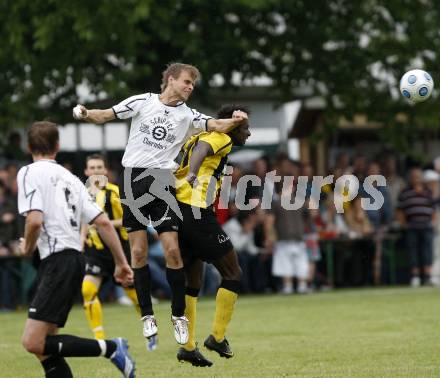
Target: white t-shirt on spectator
{"x": 157, "y": 131}
{"x": 62, "y": 198}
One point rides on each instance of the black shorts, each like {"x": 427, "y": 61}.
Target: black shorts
{"x": 99, "y": 262}
{"x": 157, "y": 207}
{"x": 59, "y": 283}
{"x": 202, "y": 238}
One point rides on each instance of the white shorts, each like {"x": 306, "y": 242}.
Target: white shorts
{"x": 290, "y": 260}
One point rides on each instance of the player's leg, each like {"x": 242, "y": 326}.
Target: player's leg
{"x": 189, "y": 352}
{"x": 131, "y": 293}
{"x": 142, "y": 280}
{"x": 92, "y": 304}
{"x": 227, "y": 294}
{"x": 33, "y": 340}
{"x": 61, "y": 278}
{"x": 176, "y": 279}
{"x": 194, "y": 276}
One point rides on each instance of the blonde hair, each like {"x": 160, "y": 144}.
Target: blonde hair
{"x": 175, "y": 69}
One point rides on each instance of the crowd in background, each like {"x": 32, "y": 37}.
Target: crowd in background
{"x": 282, "y": 250}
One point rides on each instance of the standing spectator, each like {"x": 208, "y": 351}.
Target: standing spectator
{"x": 416, "y": 213}
{"x": 432, "y": 181}
{"x": 290, "y": 255}
{"x": 395, "y": 183}
{"x": 359, "y": 167}
{"x": 360, "y": 230}
{"x": 380, "y": 219}
{"x": 13, "y": 149}
{"x": 241, "y": 232}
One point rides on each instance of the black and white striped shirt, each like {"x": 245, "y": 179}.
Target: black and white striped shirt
{"x": 418, "y": 207}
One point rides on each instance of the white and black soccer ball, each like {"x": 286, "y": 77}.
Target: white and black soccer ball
{"x": 416, "y": 85}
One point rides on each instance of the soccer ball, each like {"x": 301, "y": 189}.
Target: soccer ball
{"x": 416, "y": 85}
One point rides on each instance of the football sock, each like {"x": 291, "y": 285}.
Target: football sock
{"x": 190, "y": 313}
{"x": 224, "y": 307}
{"x": 176, "y": 280}
{"x": 142, "y": 284}
{"x": 131, "y": 293}
{"x": 56, "y": 367}
{"x": 73, "y": 346}
{"x": 93, "y": 308}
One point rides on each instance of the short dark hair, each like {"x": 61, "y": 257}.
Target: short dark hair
{"x": 96, "y": 157}
{"x": 43, "y": 137}
{"x": 227, "y": 110}
{"x": 175, "y": 69}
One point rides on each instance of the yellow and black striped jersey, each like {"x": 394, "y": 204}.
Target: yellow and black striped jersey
{"x": 210, "y": 173}
{"x": 109, "y": 201}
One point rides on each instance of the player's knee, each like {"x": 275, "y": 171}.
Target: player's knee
{"x": 138, "y": 257}
{"x": 172, "y": 257}
{"x": 234, "y": 274}
{"x": 194, "y": 282}
{"x": 33, "y": 345}
{"x": 89, "y": 291}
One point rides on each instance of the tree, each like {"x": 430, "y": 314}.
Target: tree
{"x": 350, "y": 53}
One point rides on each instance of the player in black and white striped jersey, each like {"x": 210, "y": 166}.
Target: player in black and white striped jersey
{"x": 55, "y": 203}
{"x": 160, "y": 125}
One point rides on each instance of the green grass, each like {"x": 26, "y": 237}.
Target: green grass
{"x": 362, "y": 333}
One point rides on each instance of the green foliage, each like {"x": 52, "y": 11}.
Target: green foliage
{"x": 352, "y": 53}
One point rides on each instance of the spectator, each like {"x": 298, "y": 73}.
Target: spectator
{"x": 290, "y": 255}
{"x": 415, "y": 212}
{"x": 359, "y": 167}
{"x": 13, "y": 149}
{"x": 432, "y": 181}
{"x": 361, "y": 247}
{"x": 241, "y": 232}
{"x": 380, "y": 219}
{"x": 395, "y": 183}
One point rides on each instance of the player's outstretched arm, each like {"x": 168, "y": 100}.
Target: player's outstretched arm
{"x": 200, "y": 151}
{"x": 34, "y": 222}
{"x": 98, "y": 116}
{"x": 226, "y": 125}
{"x": 123, "y": 272}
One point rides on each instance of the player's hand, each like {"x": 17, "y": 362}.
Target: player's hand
{"x": 22, "y": 247}
{"x": 79, "y": 112}
{"x": 124, "y": 275}
{"x": 192, "y": 179}
{"x": 240, "y": 117}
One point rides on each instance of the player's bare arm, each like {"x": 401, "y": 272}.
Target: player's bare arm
{"x": 97, "y": 116}
{"x": 226, "y": 125}
{"x": 123, "y": 272}
{"x": 34, "y": 222}
{"x": 200, "y": 151}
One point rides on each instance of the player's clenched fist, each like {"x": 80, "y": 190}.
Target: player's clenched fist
{"x": 80, "y": 112}
{"x": 240, "y": 117}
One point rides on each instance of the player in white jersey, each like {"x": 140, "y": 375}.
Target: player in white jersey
{"x": 55, "y": 203}
{"x": 160, "y": 125}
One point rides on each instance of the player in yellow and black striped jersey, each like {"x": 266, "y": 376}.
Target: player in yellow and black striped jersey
{"x": 99, "y": 261}
{"x": 201, "y": 238}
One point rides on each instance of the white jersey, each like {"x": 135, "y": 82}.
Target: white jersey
{"x": 157, "y": 131}
{"x": 62, "y": 198}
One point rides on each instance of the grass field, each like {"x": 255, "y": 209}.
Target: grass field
{"x": 363, "y": 333}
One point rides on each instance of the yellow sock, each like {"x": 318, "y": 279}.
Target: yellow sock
{"x": 190, "y": 313}
{"x": 131, "y": 293}
{"x": 93, "y": 308}
{"x": 224, "y": 307}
